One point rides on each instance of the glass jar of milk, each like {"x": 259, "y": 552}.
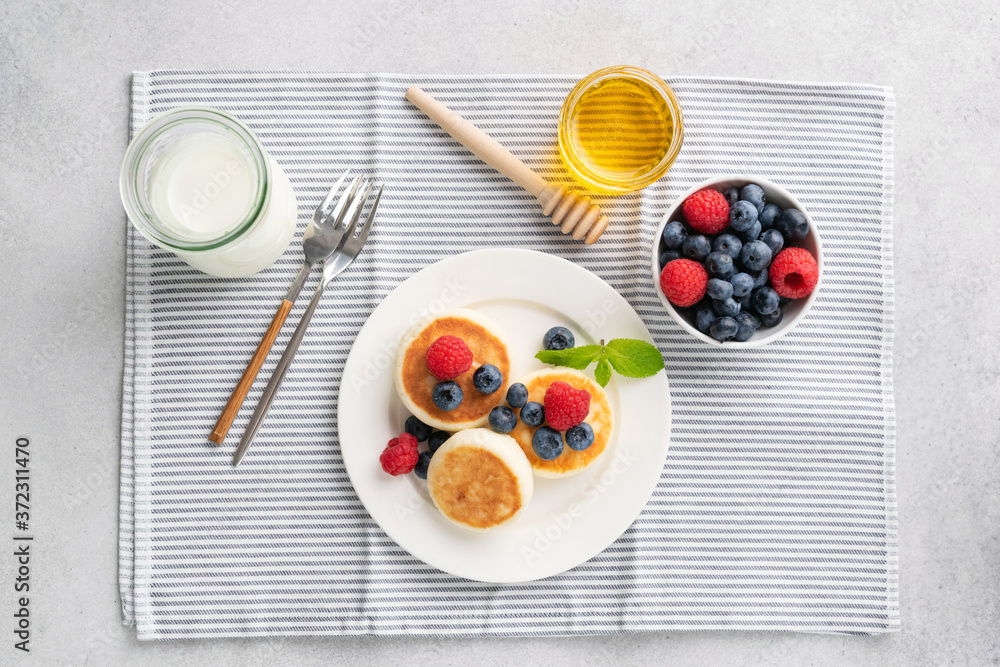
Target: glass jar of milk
{"x": 196, "y": 181}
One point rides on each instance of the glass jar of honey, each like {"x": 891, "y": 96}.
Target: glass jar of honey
{"x": 620, "y": 129}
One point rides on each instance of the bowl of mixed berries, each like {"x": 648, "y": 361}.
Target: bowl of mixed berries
{"x": 737, "y": 261}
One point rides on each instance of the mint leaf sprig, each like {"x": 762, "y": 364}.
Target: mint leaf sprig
{"x": 627, "y": 356}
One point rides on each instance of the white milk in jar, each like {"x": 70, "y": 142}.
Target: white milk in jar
{"x": 197, "y": 182}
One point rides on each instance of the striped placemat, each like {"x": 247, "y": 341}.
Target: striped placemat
{"x": 776, "y": 509}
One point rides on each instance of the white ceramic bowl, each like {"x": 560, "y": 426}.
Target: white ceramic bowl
{"x": 794, "y": 311}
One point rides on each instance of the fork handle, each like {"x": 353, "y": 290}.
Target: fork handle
{"x": 280, "y": 370}
{"x": 239, "y": 394}
{"x": 249, "y": 375}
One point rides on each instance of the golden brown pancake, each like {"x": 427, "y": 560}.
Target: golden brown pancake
{"x": 415, "y": 383}
{"x": 479, "y": 479}
{"x": 600, "y": 418}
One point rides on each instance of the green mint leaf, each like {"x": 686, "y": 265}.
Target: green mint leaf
{"x": 575, "y": 357}
{"x": 633, "y": 358}
{"x": 603, "y": 372}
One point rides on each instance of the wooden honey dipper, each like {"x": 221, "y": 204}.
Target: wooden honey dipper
{"x": 574, "y": 214}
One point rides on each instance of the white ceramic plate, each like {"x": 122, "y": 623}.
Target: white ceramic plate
{"x": 568, "y": 521}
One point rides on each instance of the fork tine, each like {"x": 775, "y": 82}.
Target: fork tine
{"x": 354, "y": 245}
{"x": 354, "y": 210}
{"x": 318, "y": 215}
{"x": 337, "y": 214}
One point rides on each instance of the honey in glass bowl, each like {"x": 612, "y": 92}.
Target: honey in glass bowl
{"x": 620, "y": 129}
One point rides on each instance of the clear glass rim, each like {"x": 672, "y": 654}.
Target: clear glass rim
{"x": 144, "y": 220}
{"x": 591, "y": 177}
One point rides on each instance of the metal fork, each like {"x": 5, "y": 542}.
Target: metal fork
{"x": 321, "y": 238}
{"x": 333, "y": 265}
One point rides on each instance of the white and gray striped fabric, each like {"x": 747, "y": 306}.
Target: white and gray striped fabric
{"x": 776, "y": 508}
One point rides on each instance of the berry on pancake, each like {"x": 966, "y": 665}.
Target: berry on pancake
{"x": 565, "y": 406}
{"x": 448, "y": 357}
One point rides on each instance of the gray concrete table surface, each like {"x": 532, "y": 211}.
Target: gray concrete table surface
{"x": 65, "y": 68}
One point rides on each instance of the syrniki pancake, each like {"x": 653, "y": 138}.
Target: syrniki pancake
{"x": 600, "y": 418}
{"x": 479, "y": 479}
{"x": 415, "y": 384}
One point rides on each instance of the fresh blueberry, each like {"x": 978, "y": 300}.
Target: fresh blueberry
{"x": 437, "y": 439}
{"x": 674, "y": 234}
{"x": 668, "y": 256}
{"x": 487, "y": 379}
{"x": 727, "y": 307}
{"x": 517, "y": 395}
{"x": 755, "y": 255}
{"x": 755, "y": 195}
{"x": 719, "y": 265}
{"x": 558, "y": 338}
{"x": 771, "y": 319}
{"x": 423, "y": 462}
{"x": 703, "y": 318}
{"x": 748, "y": 326}
{"x": 729, "y": 244}
{"x": 742, "y": 284}
{"x": 761, "y": 278}
{"x": 417, "y": 428}
{"x": 580, "y": 437}
{"x": 719, "y": 289}
{"x": 502, "y": 419}
{"x": 769, "y": 216}
{"x": 447, "y": 395}
{"x": 732, "y": 195}
{"x": 696, "y": 247}
{"x": 742, "y": 216}
{"x": 723, "y": 328}
{"x": 751, "y": 234}
{"x": 547, "y": 443}
{"x": 533, "y": 414}
{"x": 774, "y": 240}
{"x": 793, "y": 225}
{"x": 765, "y": 300}
{"x": 746, "y": 302}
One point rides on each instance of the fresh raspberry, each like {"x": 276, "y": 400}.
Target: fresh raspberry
{"x": 707, "y": 211}
{"x": 400, "y": 455}
{"x": 565, "y": 407}
{"x": 448, "y": 357}
{"x": 794, "y": 273}
{"x": 684, "y": 281}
